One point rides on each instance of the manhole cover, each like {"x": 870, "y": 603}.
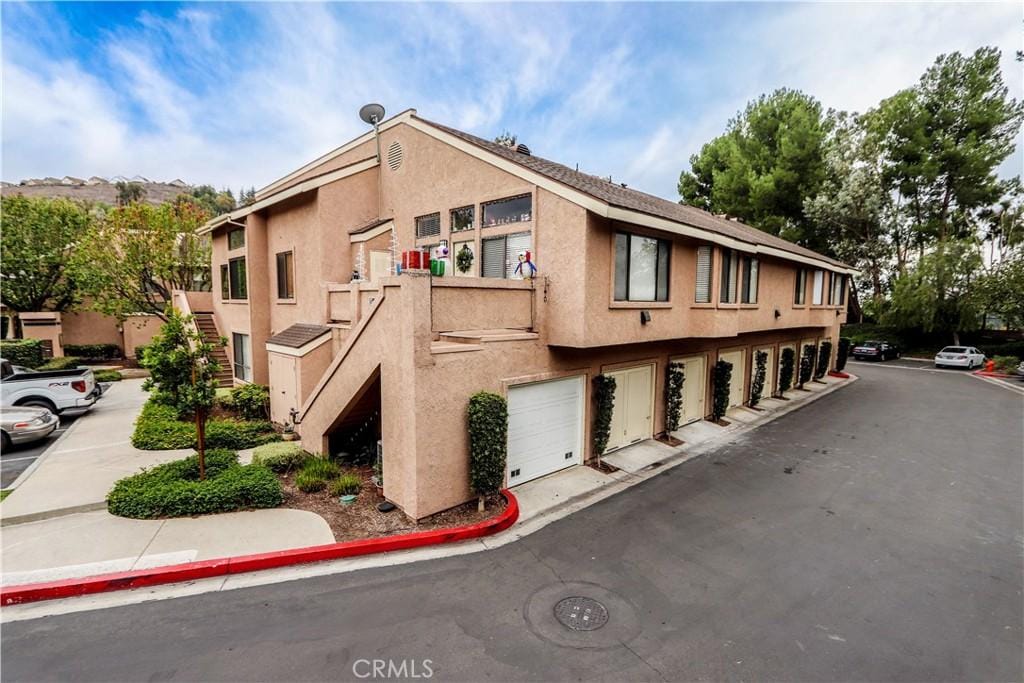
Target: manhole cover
{"x": 581, "y": 614}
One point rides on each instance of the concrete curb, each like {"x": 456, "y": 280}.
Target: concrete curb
{"x": 192, "y": 571}
{"x": 50, "y": 514}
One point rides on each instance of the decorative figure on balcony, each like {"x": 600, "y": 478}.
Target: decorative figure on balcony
{"x": 525, "y": 268}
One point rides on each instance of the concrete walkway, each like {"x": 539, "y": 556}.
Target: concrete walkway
{"x": 55, "y": 523}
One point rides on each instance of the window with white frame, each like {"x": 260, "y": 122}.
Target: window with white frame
{"x": 748, "y": 287}
{"x": 800, "y": 291}
{"x": 837, "y": 289}
{"x": 500, "y": 255}
{"x": 730, "y": 268}
{"x": 704, "y": 274}
{"x": 641, "y": 267}
{"x": 429, "y": 225}
{"x": 503, "y": 211}
{"x": 242, "y": 354}
{"x": 818, "y": 288}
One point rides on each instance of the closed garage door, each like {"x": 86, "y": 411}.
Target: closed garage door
{"x": 694, "y": 386}
{"x": 545, "y": 428}
{"x": 631, "y": 416}
{"x": 737, "y": 378}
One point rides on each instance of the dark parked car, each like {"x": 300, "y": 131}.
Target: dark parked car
{"x": 875, "y": 350}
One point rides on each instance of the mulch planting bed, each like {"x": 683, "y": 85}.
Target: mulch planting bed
{"x": 362, "y": 519}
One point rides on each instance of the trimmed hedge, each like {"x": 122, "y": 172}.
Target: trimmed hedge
{"x": 806, "y": 366}
{"x": 251, "y": 401}
{"x": 107, "y": 375}
{"x": 94, "y": 351}
{"x": 721, "y": 378}
{"x": 842, "y": 353}
{"x": 488, "y": 442}
{"x": 27, "y": 352}
{"x": 158, "y": 428}
{"x": 174, "y": 489}
{"x": 604, "y": 405}
{"x": 1015, "y": 348}
{"x": 62, "y": 363}
{"x": 786, "y": 362}
{"x": 757, "y": 381}
{"x": 824, "y": 356}
{"x": 674, "y": 378}
{"x": 281, "y": 456}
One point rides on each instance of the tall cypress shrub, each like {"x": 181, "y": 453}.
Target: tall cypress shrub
{"x": 674, "y": 379}
{"x": 806, "y": 366}
{"x": 757, "y": 381}
{"x": 842, "y": 352}
{"x": 824, "y": 355}
{"x": 786, "y": 361}
{"x": 720, "y": 389}
{"x": 604, "y": 404}
{"x": 488, "y": 444}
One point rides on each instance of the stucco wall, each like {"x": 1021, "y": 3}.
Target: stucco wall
{"x": 90, "y": 327}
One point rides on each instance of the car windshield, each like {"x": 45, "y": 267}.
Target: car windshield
{"x": 954, "y": 349}
{"x": 872, "y": 344}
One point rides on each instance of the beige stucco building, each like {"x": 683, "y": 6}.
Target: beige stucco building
{"x": 625, "y": 283}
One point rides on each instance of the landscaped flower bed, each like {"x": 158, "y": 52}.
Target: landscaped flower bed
{"x": 158, "y": 428}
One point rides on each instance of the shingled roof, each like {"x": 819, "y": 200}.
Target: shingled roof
{"x": 298, "y": 335}
{"x": 627, "y": 198}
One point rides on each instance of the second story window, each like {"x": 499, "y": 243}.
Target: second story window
{"x": 285, "y": 275}
{"x": 748, "y": 288}
{"x": 236, "y": 279}
{"x": 462, "y": 219}
{"x": 800, "y": 292}
{"x": 429, "y": 225}
{"x": 236, "y": 239}
{"x": 837, "y": 289}
{"x": 703, "y": 293}
{"x": 730, "y": 269}
{"x": 504, "y": 211}
{"x": 641, "y": 268}
{"x": 225, "y": 282}
{"x": 817, "y": 289}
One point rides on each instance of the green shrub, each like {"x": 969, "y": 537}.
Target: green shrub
{"x": 251, "y": 401}
{"x": 824, "y": 356}
{"x": 94, "y": 351}
{"x": 1006, "y": 363}
{"x": 281, "y": 456}
{"x": 722, "y": 377}
{"x": 107, "y": 375}
{"x": 27, "y": 352}
{"x": 62, "y": 363}
{"x": 786, "y": 360}
{"x": 674, "y": 378}
{"x": 1014, "y": 348}
{"x": 757, "y": 381}
{"x": 140, "y": 353}
{"x": 320, "y": 467}
{"x": 346, "y": 484}
{"x": 842, "y": 353}
{"x": 158, "y": 428}
{"x": 174, "y": 489}
{"x": 806, "y": 366}
{"x": 604, "y": 404}
{"x": 309, "y": 483}
{"x": 488, "y": 442}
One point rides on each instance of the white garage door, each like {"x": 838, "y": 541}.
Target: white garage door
{"x": 545, "y": 428}
{"x": 737, "y": 378}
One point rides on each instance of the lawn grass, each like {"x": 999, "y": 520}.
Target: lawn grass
{"x": 4, "y": 493}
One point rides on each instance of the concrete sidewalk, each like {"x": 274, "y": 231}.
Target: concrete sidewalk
{"x": 78, "y": 470}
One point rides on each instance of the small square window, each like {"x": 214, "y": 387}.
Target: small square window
{"x": 429, "y": 225}
{"x": 236, "y": 239}
{"x": 462, "y": 218}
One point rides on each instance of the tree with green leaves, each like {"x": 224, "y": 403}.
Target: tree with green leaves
{"x": 129, "y": 192}
{"x": 211, "y": 201}
{"x": 999, "y": 291}
{"x": 935, "y": 294}
{"x": 38, "y": 238}
{"x": 183, "y": 374}
{"x": 770, "y": 158}
{"x": 133, "y": 259}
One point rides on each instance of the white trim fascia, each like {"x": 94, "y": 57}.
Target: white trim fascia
{"x": 348, "y": 146}
{"x": 302, "y": 350}
{"x": 370, "y": 234}
{"x": 310, "y": 184}
{"x": 604, "y": 209}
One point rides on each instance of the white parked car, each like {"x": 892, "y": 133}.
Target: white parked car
{"x": 959, "y": 357}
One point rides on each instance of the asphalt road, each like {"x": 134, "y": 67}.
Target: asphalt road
{"x": 875, "y": 534}
{"x": 16, "y": 459}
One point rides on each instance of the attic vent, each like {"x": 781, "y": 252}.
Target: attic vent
{"x": 523, "y": 149}
{"x": 395, "y": 155}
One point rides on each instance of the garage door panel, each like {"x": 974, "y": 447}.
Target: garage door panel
{"x": 544, "y": 428}
{"x": 737, "y": 377}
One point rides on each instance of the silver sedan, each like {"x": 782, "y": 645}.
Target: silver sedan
{"x": 23, "y": 424}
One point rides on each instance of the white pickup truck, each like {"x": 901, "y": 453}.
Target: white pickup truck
{"x": 60, "y": 391}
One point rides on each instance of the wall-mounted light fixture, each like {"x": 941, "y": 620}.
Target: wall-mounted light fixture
{"x": 645, "y": 317}
{"x": 777, "y": 314}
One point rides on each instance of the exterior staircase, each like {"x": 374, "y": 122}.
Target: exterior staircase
{"x": 208, "y": 328}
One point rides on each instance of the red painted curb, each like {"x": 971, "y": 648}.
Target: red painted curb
{"x": 836, "y": 373}
{"x": 1001, "y": 375}
{"x": 205, "y": 569}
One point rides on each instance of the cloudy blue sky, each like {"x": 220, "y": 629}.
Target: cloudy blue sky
{"x": 237, "y": 94}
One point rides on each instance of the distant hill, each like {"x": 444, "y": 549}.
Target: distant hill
{"x": 94, "y": 189}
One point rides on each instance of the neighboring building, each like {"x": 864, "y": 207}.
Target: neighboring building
{"x": 95, "y": 189}
{"x": 626, "y": 282}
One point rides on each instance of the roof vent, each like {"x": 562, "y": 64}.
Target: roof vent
{"x": 395, "y": 155}
{"x": 523, "y": 149}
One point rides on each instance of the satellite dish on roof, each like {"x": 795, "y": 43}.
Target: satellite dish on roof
{"x": 371, "y": 113}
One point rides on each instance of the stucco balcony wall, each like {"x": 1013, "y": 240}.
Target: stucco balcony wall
{"x": 480, "y": 304}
